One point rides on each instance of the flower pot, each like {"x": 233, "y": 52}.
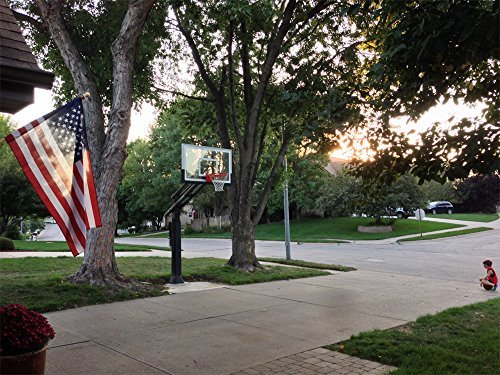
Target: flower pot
{"x": 27, "y": 363}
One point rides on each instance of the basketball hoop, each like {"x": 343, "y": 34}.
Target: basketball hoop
{"x": 217, "y": 179}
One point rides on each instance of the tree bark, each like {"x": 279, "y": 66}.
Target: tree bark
{"x": 243, "y": 241}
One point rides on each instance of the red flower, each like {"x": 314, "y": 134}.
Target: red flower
{"x": 23, "y": 330}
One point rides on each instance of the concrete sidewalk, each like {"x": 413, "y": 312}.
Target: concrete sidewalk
{"x": 246, "y": 329}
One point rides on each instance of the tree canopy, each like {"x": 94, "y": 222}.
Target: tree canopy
{"x": 17, "y": 197}
{"x": 423, "y": 53}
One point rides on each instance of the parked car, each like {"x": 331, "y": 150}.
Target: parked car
{"x": 440, "y": 207}
{"x": 401, "y": 213}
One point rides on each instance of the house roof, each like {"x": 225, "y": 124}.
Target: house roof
{"x": 19, "y": 71}
{"x": 336, "y": 165}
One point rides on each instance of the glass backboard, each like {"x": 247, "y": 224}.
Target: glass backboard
{"x": 198, "y": 161}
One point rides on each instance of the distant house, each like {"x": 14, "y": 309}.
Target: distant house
{"x": 19, "y": 71}
{"x": 336, "y": 165}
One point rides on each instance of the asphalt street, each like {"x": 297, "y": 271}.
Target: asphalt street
{"x": 456, "y": 258}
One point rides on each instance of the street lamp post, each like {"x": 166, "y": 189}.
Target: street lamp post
{"x": 285, "y": 204}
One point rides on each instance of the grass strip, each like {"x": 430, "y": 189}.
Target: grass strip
{"x": 483, "y": 218}
{"x": 327, "y": 230}
{"x": 63, "y": 246}
{"x": 40, "y": 284}
{"x": 303, "y": 263}
{"x": 464, "y": 340}
{"x": 446, "y": 234}
{"x": 334, "y": 230}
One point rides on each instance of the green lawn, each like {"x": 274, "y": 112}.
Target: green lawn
{"x": 483, "y": 218}
{"x": 63, "y": 246}
{"x": 446, "y": 234}
{"x": 462, "y": 340}
{"x": 328, "y": 230}
{"x": 39, "y": 283}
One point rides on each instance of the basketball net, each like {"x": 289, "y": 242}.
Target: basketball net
{"x": 217, "y": 179}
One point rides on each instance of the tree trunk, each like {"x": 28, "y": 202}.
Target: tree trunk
{"x": 243, "y": 230}
{"x": 3, "y": 224}
{"x": 298, "y": 213}
{"x": 99, "y": 265}
{"x": 108, "y": 150}
{"x": 243, "y": 244}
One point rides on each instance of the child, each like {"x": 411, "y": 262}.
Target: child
{"x": 491, "y": 279}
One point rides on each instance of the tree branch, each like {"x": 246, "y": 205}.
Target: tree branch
{"x": 196, "y": 55}
{"x": 218, "y": 95}
{"x": 251, "y": 134}
{"x": 245, "y": 63}
{"x": 232, "y": 96}
{"x": 81, "y": 74}
{"x": 270, "y": 182}
{"x": 201, "y": 98}
{"x": 40, "y": 26}
{"x": 124, "y": 50}
{"x": 260, "y": 152}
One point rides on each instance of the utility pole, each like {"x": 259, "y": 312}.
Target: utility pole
{"x": 285, "y": 203}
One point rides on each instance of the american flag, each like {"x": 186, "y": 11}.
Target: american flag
{"x": 54, "y": 154}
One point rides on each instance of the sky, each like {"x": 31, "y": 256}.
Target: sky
{"x": 141, "y": 121}
{"x": 43, "y": 104}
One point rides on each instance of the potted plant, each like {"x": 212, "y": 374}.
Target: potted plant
{"x": 23, "y": 341}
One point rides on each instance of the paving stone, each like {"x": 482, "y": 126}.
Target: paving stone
{"x": 310, "y": 366}
{"x": 334, "y": 366}
{"x": 303, "y": 355}
{"x": 342, "y": 371}
{"x": 251, "y": 371}
{"x": 307, "y": 371}
{"x": 372, "y": 364}
{"x": 260, "y": 368}
{"x": 319, "y": 361}
{"x": 312, "y": 360}
{"x": 320, "y": 351}
{"x": 324, "y": 370}
{"x": 323, "y": 364}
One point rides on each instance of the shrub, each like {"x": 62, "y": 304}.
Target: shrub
{"x": 381, "y": 222}
{"x": 13, "y": 232}
{"x": 6, "y": 244}
{"x": 190, "y": 230}
{"x": 213, "y": 230}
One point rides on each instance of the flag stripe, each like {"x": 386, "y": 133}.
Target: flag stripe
{"x": 45, "y": 199}
{"x": 92, "y": 195}
{"x": 73, "y": 221}
{"x": 89, "y": 223}
{"x": 58, "y": 169}
{"x": 70, "y": 201}
{"x": 56, "y": 157}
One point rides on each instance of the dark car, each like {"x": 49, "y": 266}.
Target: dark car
{"x": 440, "y": 207}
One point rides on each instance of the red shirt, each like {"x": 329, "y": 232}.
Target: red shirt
{"x": 493, "y": 278}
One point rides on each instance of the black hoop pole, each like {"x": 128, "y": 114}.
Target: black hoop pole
{"x": 176, "y": 277}
{"x": 180, "y": 198}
